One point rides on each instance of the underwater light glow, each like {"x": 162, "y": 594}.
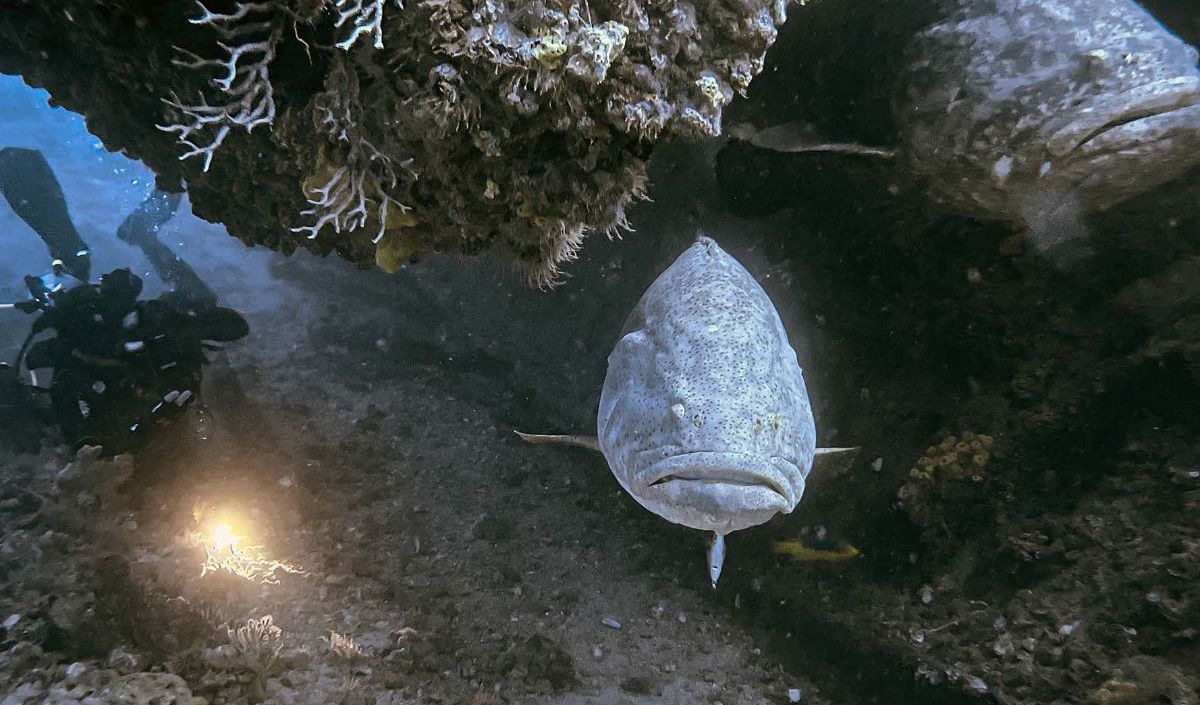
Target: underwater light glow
{"x": 227, "y": 548}
{"x": 223, "y": 539}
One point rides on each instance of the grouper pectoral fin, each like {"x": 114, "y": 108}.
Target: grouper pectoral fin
{"x": 833, "y": 460}
{"x": 589, "y": 442}
{"x": 800, "y": 137}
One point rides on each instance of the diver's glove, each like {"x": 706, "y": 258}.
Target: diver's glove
{"x": 43, "y": 288}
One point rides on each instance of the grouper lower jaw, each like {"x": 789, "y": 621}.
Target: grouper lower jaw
{"x": 718, "y": 491}
{"x": 684, "y": 504}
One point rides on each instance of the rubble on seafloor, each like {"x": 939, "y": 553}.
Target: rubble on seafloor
{"x": 92, "y": 612}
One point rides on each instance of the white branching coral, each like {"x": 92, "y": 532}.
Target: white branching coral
{"x": 246, "y": 562}
{"x": 249, "y": 37}
{"x": 344, "y": 647}
{"x": 365, "y": 18}
{"x": 359, "y": 191}
{"x": 340, "y": 202}
{"x": 258, "y": 642}
{"x": 238, "y": 671}
{"x": 343, "y": 202}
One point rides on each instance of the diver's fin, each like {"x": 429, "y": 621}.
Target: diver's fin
{"x": 33, "y": 192}
{"x": 798, "y": 137}
{"x": 140, "y": 229}
{"x": 589, "y": 442}
{"x": 827, "y": 460}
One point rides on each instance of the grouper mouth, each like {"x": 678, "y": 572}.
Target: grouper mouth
{"x": 719, "y": 491}
{"x": 1145, "y": 114}
{"x": 725, "y": 468}
{"x": 718, "y": 476}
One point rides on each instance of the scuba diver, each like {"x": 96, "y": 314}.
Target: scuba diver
{"x": 123, "y": 368}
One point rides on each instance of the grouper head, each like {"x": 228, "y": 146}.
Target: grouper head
{"x": 704, "y": 417}
{"x": 1004, "y": 103}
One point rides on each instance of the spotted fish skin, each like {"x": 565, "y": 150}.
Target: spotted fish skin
{"x": 704, "y": 416}
{"x": 1005, "y": 103}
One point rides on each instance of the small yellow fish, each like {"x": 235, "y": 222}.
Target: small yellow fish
{"x": 816, "y": 550}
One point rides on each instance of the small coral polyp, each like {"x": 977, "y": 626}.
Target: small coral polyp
{"x": 438, "y": 106}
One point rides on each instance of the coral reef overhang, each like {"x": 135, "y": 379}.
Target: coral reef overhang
{"x": 376, "y": 131}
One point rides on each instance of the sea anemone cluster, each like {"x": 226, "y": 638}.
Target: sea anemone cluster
{"x": 955, "y": 458}
{"x": 454, "y": 125}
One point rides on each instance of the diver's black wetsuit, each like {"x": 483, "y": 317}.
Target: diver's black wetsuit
{"x": 124, "y": 367}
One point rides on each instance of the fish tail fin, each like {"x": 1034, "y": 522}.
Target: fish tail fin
{"x": 589, "y": 442}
